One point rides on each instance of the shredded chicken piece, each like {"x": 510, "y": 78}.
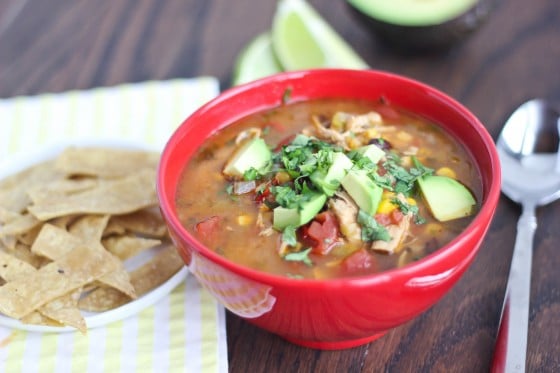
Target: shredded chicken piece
{"x": 346, "y": 213}
{"x": 265, "y": 230}
{"x": 397, "y": 232}
{"x": 249, "y": 133}
{"x": 360, "y": 123}
{"x": 325, "y": 133}
{"x": 355, "y": 125}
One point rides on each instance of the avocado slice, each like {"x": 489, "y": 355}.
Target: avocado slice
{"x": 295, "y": 217}
{"x": 329, "y": 181}
{"x": 419, "y": 25}
{"x": 372, "y": 151}
{"x": 253, "y": 153}
{"x": 446, "y": 198}
{"x": 363, "y": 190}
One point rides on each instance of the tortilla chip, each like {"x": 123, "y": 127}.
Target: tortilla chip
{"x": 104, "y": 162}
{"x": 53, "y": 242}
{"x": 55, "y": 218}
{"x": 7, "y": 216}
{"x": 89, "y": 228}
{"x": 19, "y": 225}
{"x": 23, "y": 252}
{"x": 59, "y": 188}
{"x": 30, "y": 236}
{"x": 9, "y": 242}
{"x": 144, "y": 222}
{"x": 11, "y": 268}
{"x": 63, "y": 221}
{"x": 125, "y": 247}
{"x": 118, "y": 196}
{"x": 72, "y": 271}
{"x": 64, "y": 310}
{"x": 147, "y": 277}
{"x": 13, "y": 189}
{"x": 113, "y": 228}
{"x": 36, "y": 318}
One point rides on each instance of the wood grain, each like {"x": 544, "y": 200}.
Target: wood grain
{"x": 58, "y": 45}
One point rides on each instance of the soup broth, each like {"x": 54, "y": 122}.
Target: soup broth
{"x": 234, "y": 214}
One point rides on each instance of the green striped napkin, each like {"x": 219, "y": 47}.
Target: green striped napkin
{"x": 185, "y": 329}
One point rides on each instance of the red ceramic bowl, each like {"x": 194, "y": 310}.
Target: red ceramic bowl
{"x": 338, "y": 313}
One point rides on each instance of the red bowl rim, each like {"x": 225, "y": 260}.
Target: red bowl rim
{"x": 478, "y": 225}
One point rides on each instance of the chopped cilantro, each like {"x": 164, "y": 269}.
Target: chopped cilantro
{"x": 406, "y": 208}
{"x": 289, "y": 236}
{"x": 300, "y": 256}
{"x": 251, "y": 174}
{"x": 371, "y": 229}
{"x": 403, "y": 179}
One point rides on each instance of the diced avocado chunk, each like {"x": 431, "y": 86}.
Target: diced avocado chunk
{"x": 414, "y": 12}
{"x": 253, "y": 153}
{"x": 372, "y": 151}
{"x": 447, "y": 198}
{"x": 295, "y": 217}
{"x": 363, "y": 190}
{"x": 330, "y": 181}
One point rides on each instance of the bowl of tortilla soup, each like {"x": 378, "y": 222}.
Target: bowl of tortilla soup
{"x": 329, "y": 206}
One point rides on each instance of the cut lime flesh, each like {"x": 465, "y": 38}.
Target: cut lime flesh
{"x": 302, "y": 39}
{"x": 256, "y": 60}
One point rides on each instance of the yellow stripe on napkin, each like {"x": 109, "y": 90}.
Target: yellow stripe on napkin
{"x": 184, "y": 331}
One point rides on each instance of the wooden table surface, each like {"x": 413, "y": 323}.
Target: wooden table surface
{"x": 58, "y": 45}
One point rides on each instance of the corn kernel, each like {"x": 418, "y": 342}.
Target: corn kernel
{"x": 372, "y": 133}
{"x": 386, "y": 206}
{"x": 338, "y": 121}
{"x": 353, "y": 143}
{"x": 244, "y": 220}
{"x": 446, "y": 171}
{"x": 411, "y": 201}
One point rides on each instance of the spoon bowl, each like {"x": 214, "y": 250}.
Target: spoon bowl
{"x": 528, "y": 150}
{"x": 528, "y": 147}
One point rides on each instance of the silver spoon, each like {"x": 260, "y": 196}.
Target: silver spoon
{"x": 529, "y": 152}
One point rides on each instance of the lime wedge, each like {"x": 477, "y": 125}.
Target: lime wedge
{"x": 302, "y": 39}
{"x": 256, "y": 60}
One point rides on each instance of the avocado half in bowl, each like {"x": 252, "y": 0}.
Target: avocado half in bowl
{"x": 421, "y": 25}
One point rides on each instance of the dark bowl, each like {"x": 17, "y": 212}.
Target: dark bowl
{"x": 415, "y": 37}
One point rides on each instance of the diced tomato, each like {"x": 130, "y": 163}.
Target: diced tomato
{"x": 396, "y": 216}
{"x": 321, "y": 234}
{"x": 261, "y": 196}
{"x": 359, "y": 260}
{"x": 383, "y": 219}
{"x": 388, "y": 112}
{"x": 207, "y": 227}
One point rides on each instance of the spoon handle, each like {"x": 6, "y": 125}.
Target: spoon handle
{"x": 511, "y": 343}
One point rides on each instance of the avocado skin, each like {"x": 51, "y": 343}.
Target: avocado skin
{"x": 431, "y": 38}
